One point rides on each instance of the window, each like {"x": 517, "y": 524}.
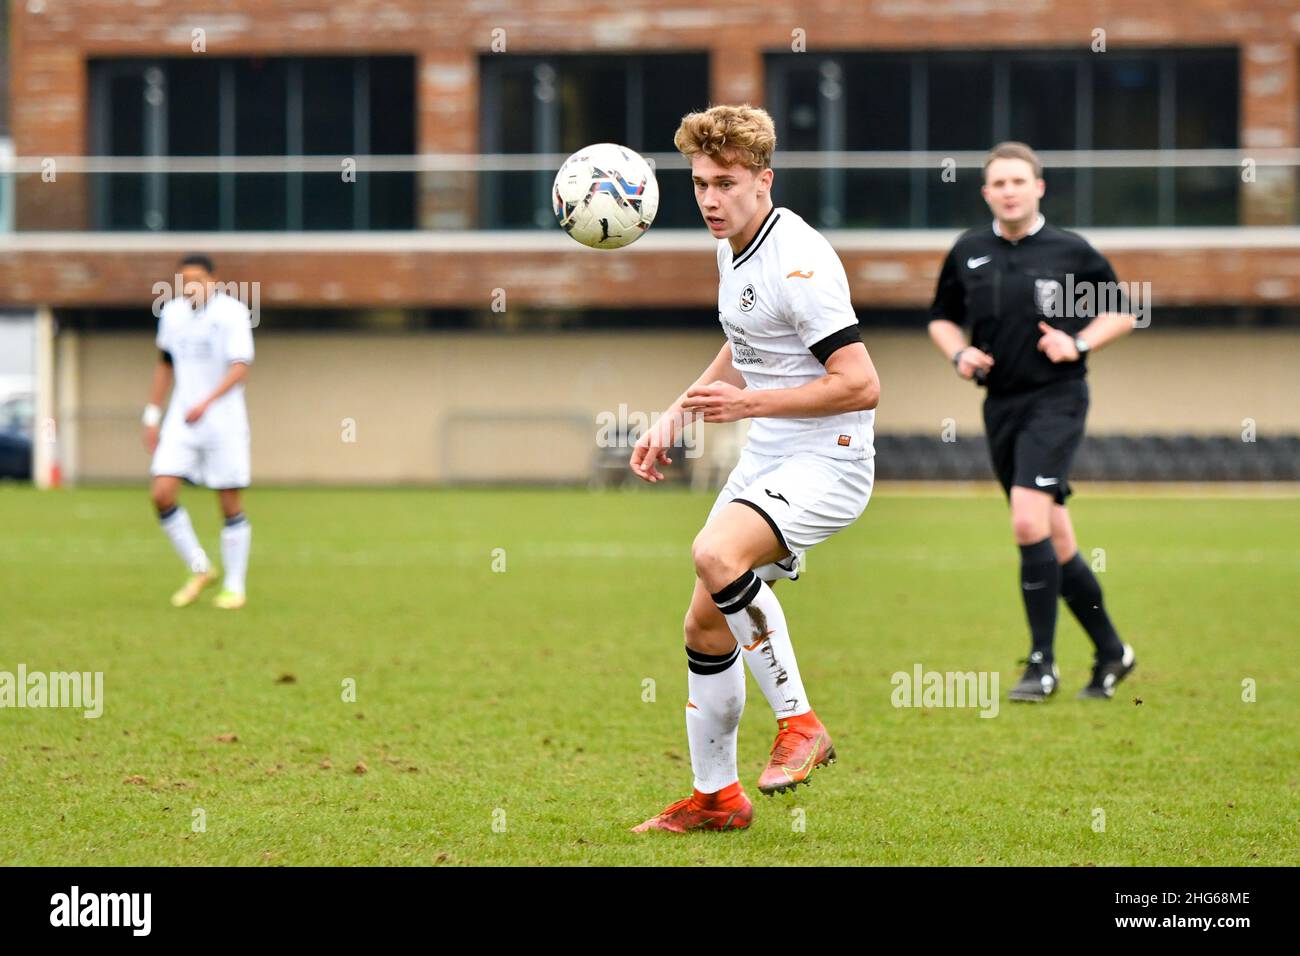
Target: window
{"x": 558, "y": 104}
{"x": 1051, "y": 99}
{"x": 332, "y": 106}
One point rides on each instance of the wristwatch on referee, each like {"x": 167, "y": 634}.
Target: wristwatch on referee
{"x": 1081, "y": 344}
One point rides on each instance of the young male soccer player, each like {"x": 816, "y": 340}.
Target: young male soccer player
{"x": 793, "y": 362}
{"x": 1002, "y": 282}
{"x": 205, "y": 342}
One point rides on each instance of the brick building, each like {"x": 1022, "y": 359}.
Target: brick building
{"x": 425, "y": 246}
{"x": 397, "y": 76}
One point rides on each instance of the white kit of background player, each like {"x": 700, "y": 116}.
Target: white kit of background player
{"x": 205, "y": 341}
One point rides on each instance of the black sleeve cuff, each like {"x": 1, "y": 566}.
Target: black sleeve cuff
{"x": 165, "y": 356}
{"x": 828, "y": 346}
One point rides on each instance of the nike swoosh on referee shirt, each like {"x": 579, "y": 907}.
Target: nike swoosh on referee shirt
{"x": 976, "y": 263}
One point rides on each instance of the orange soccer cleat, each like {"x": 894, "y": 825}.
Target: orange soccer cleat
{"x": 728, "y": 809}
{"x": 802, "y": 745}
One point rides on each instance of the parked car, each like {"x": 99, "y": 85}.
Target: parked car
{"x": 16, "y": 419}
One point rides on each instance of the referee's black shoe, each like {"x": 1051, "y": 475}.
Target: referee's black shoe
{"x": 1039, "y": 681}
{"x": 1106, "y": 674}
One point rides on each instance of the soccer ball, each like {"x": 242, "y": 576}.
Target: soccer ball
{"x": 605, "y": 196}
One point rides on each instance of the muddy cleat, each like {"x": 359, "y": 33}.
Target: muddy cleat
{"x": 802, "y": 745}
{"x": 728, "y": 809}
{"x": 228, "y": 601}
{"x": 1106, "y": 674}
{"x": 193, "y": 588}
{"x": 1038, "y": 682}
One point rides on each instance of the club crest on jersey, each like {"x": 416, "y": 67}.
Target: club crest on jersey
{"x": 1047, "y": 296}
{"x": 747, "y": 298}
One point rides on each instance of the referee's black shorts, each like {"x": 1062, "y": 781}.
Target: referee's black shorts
{"x": 1033, "y": 435}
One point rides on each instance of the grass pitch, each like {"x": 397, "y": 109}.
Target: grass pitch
{"x": 501, "y": 715}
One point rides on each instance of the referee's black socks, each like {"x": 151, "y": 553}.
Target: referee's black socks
{"x": 1082, "y": 593}
{"x": 1040, "y": 585}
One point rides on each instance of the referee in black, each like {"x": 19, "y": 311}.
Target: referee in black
{"x": 1006, "y": 285}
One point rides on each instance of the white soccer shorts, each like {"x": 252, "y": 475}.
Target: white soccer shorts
{"x": 805, "y": 498}
{"x": 203, "y": 456}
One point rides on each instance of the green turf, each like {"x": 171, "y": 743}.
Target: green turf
{"x": 517, "y": 697}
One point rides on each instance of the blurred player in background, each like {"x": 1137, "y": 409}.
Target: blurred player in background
{"x": 1003, "y": 282}
{"x": 205, "y": 342}
{"x": 793, "y": 362}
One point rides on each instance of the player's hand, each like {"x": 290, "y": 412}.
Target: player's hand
{"x": 195, "y": 413}
{"x": 719, "y": 402}
{"x": 151, "y": 438}
{"x": 652, "y": 449}
{"x": 972, "y": 360}
{"x": 1057, "y": 345}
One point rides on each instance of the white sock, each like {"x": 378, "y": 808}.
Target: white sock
{"x": 756, "y": 620}
{"x": 236, "y": 539}
{"x": 713, "y": 709}
{"x": 176, "y": 523}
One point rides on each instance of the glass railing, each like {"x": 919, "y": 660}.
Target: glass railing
{"x": 443, "y": 192}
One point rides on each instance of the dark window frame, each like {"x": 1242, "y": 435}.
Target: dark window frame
{"x": 778, "y": 65}
{"x": 545, "y": 69}
{"x": 152, "y": 72}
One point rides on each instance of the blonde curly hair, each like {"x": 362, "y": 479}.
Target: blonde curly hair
{"x": 743, "y": 135}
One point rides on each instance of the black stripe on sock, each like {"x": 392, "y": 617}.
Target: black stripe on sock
{"x": 743, "y": 600}
{"x": 707, "y": 664}
{"x": 701, "y": 658}
{"x": 164, "y": 515}
{"x": 235, "y": 519}
{"x": 734, "y": 589}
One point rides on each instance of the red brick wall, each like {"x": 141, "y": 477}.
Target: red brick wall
{"x": 50, "y": 49}
{"x": 630, "y": 279}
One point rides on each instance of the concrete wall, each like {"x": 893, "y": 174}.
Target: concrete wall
{"x": 523, "y": 407}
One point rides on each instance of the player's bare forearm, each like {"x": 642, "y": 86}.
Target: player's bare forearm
{"x": 158, "y": 389}
{"x": 1061, "y": 346}
{"x": 947, "y": 336}
{"x": 849, "y": 385}
{"x": 651, "y": 447}
{"x": 161, "y": 384}
{"x": 238, "y": 372}
{"x": 1106, "y": 328}
{"x": 719, "y": 370}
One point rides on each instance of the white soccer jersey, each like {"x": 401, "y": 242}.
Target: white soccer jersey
{"x": 202, "y": 345}
{"x": 783, "y": 302}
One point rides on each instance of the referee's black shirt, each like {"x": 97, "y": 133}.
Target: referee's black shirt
{"x": 998, "y": 290}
